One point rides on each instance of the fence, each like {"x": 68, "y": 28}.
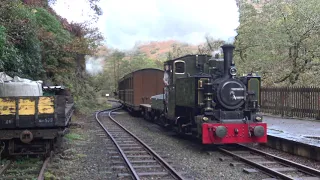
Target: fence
{"x": 302, "y": 102}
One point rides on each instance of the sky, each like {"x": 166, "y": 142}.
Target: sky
{"x": 125, "y": 23}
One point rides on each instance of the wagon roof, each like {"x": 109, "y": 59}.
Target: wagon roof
{"x": 145, "y": 69}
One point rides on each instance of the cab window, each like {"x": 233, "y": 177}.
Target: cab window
{"x": 179, "y": 67}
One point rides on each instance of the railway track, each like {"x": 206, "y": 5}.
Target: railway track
{"x": 274, "y": 166}
{"x": 24, "y": 169}
{"x": 141, "y": 161}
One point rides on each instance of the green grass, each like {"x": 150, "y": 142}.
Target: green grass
{"x": 49, "y": 175}
{"x": 26, "y": 160}
{"x": 88, "y": 107}
{"x": 74, "y": 136}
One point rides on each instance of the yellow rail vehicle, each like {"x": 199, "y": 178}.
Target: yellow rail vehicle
{"x": 34, "y": 124}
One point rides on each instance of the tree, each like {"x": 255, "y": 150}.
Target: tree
{"x": 178, "y": 50}
{"x": 281, "y": 42}
{"x": 20, "y": 52}
{"x": 118, "y": 64}
{"x": 210, "y": 45}
{"x": 93, "y": 5}
{"x": 36, "y": 43}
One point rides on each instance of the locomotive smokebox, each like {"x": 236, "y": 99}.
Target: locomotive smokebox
{"x": 227, "y": 56}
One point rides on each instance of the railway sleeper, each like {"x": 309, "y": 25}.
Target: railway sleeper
{"x": 153, "y": 173}
{"x": 136, "y": 152}
{"x": 19, "y": 178}
{"x": 131, "y": 148}
{"x": 122, "y": 175}
{"x": 141, "y": 156}
{"x": 146, "y": 166}
{"x": 128, "y": 145}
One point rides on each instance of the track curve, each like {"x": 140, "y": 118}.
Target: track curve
{"x": 140, "y": 159}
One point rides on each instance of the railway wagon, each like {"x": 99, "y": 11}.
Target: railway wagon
{"x": 137, "y": 87}
{"x": 35, "y": 124}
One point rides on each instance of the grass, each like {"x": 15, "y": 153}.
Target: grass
{"x": 49, "y": 175}
{"x": 73, "y": 136}
{"x": 88, "y": 107}
{"x": 27, "y": 160}
{"x": 3, "y": 161}
{"x": 103, "y": 103}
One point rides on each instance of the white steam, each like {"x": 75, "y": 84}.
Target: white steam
{"x": 94, "y": 65}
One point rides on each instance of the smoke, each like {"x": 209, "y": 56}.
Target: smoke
{"x": 94, "y": 65}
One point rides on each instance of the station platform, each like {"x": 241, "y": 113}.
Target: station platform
{"x": 295, "y": 136}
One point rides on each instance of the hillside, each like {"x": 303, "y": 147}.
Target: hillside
{"x": 153, "y": 54}
{"x": 155, "y": 50}
{"x": 159, "y": 50}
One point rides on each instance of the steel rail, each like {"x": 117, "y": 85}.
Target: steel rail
{"x": 261, "y": 167}
{"x": 135, "y": 174}
{"x": 303, "y": 168}
{"x": 45, "y": 163}
{"x": 5, "y": 167}
{"x": 41, "y": 173}
{"x": 161, "y": 160}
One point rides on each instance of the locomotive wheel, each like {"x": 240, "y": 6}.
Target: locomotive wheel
{"x": 162, "y": 120}
{"x": 146, "y": 115}
{"x": 180, "y": 129}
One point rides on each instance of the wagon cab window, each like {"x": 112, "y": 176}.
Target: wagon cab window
{"x": 179, "y": 67}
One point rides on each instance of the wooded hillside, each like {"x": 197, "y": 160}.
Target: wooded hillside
{"x": 38, "y": 44}
{"x": 281, "y": 42}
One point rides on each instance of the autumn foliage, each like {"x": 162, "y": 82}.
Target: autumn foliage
{"x": 37, "y": 43}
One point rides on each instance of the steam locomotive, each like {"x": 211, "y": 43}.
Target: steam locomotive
{"x": 202, "y": 97}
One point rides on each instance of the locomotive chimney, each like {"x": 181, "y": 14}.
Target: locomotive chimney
{"x": 227, "y": 56}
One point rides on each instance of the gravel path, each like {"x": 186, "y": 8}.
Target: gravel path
{"x": 190, "y": 157}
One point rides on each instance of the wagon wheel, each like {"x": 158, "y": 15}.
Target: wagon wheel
{"x": 152, "y": 116}
{"x": 162, "y": 120}
{"x": 146, "y": 115}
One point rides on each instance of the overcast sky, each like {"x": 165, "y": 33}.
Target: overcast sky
{"x": 126, "y": 22}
